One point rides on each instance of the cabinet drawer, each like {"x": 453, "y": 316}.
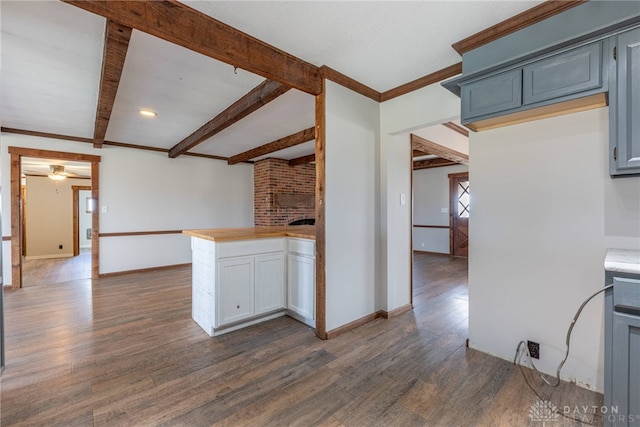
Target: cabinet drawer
{"x": 626, "y": 295}
{"x": 250, "y": 247}
{"x": 303, "y": 247}
{"x": 492, "y": 95}
{"x": 564, "y": 74}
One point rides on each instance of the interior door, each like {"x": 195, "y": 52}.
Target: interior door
{"x": 459, "y": 213}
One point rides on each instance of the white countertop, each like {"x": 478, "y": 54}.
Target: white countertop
{"x": 622, "y": 260}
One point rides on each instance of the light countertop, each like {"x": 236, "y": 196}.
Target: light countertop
{"x": 622, "y": 261}
{"x": 250, "y": 233}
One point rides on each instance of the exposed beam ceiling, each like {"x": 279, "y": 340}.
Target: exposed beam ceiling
{"x": 272, "y": 147}
{"x": 177, "y": 23}
{"x": 418, "y": 153}
{"x": 259, "y": 96}
{"x": 432, "y": 163}
{"x": 430, "y": 147}
{"x": 302, "y": 160}
{"x": 116, "y": 43}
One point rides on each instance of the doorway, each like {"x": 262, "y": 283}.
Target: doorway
{"x": 17, "y": 222}
{"x": 459, "y": 201}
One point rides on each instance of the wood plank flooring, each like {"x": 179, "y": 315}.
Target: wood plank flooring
{"x": 124, "y": 351}
{"x": 46, "y": 272}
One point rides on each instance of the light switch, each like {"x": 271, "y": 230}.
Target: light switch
{"x": 403, "y": 199}
{"x": 104, "y": 209}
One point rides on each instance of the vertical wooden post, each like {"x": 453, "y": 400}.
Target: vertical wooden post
{"x": 16, "y": 226}
{"x": 95, "y": 221}
{"x": 321, "y": 305}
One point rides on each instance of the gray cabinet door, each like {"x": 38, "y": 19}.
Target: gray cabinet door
{"x": 625, "y": 369}
{"x": 491, "y": 95}
{"x": 624, "y": 106}
{"x": 575, "y": 71}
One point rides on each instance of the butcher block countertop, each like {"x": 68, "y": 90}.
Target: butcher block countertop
{"x": 250, "y": 233}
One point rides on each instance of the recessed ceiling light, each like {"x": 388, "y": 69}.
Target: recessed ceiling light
{"x": 148, "y": 113}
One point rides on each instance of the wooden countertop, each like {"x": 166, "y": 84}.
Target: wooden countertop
{"x": 250, "y": 233}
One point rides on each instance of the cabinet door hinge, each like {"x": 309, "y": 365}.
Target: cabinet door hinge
{"x": 615, "y": 153}
{"x": 615, "y": 53}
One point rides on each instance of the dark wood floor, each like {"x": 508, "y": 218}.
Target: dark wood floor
{"x": 46, "y": 272}
{"x": 124, "y": 351}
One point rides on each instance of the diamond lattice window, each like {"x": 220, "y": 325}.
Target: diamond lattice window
{"x": 463, "y": 199}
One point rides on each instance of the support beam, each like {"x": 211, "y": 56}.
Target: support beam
{"x": 429, "y": 79}
{"x": 529, "y": 17}
{"x": 277, "y": 145}
{"x": 302, "y": 160}
{"x": 432, "y": 163}
{"x": 259, "y": 96}
{"x": 456, "y": 128}
{"x": 421, "y": 144}
{"x": 177, "y": 23}
{"x": 116, "y": 43}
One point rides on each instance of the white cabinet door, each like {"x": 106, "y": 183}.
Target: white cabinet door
{"x": 270, "y": 283}
{"x": 235, "y": 299}
{"x": 302, "y": 290}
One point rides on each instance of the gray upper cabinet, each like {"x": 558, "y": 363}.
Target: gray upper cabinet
{"x": 492, "y": 95}
{"x": 624, "y": 106}
{"x": 516, "y": 94}
{"x": 565, "y": 74}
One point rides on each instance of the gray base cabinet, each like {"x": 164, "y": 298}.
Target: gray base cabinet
{"x": 622, "y": 353}
{"x": 624, "y": 106}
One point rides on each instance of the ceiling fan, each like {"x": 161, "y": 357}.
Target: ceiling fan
{"x": 57, "y": 173}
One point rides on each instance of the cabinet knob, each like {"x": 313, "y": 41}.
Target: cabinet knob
{"x": 238, "y": 306}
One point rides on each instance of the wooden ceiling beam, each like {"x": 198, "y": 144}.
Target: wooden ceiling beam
{"x": 418, "y": 153}
{"x": 277, "y": 145}
{"x": 438, "y": 162}
{"x": 302, "y": 160}
{"x": 430, "y": 147}
{"x": 429, "y": 79}
{"x": 529, "y": 17}
{"x": 177, "y": 23}
{"x": 116, "y": 43}
{"x": 259, "y": 96}
{"x": 457, "y": 128}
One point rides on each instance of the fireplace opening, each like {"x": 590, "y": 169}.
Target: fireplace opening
{"x": 304, "y": 221}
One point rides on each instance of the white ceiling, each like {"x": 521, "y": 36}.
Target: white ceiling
{"x": 38, "y": 166}
{"x": 52, "y": 53}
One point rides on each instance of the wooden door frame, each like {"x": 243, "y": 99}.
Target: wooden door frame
{"x": 76, "y": 216}
{"x": 453, "y": 206}
{"x": 16, "y": 154}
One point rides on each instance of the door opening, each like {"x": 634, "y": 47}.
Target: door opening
{"x": 17, "y": 200}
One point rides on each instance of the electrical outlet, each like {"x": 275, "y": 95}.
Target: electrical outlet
{"x": 534, "y": 349}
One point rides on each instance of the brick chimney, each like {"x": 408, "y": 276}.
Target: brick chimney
{"x": 274, "y": 180}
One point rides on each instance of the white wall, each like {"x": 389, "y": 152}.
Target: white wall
{"x": 430, "y": 197}
{"x": 147, "y": 191}
{"x": 544, "y": 211}
{"x": 49, "y": 216}
{"x": 351, "y": 174}
{"x": 398, "y": 117}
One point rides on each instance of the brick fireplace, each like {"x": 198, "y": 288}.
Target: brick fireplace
{"x": 282, "y": 193}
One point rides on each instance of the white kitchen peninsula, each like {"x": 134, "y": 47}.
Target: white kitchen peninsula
{"x": 243, "y": 276}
